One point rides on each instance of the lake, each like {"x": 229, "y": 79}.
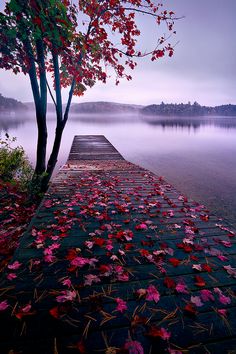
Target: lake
{"x": 197, "y": 155}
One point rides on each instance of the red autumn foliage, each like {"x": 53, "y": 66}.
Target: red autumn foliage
{"x": 174, "y": 261}
{"x": 15, "y": 214}
{"x": 206, "y": 268}
{"x": 199, "y": 281}
{"x": 169, "y": 283}
{"x": 190, "y": 309}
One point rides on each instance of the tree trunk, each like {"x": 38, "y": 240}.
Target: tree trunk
{"x": 41, "y": 111}
{"x": 41, "y": 145}
{"x": 53, "y": 157}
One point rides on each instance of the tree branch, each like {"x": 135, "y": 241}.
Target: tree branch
{"x": 153, "y": 14}
{"x": 50, "y": 92}
{"x": 147, "y": 53}
{"x": 66, "y": 114}
{"x": 57, "y": 86}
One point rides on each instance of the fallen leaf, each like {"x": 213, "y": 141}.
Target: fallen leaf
{"x": 199, "y": 281}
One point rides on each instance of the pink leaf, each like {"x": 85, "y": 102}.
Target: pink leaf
{"x": 15, "y": 265}
{"x": 92, "y": 261}
{"x": 121, "y": 305}
{"x": 49, "y": 258}
{"x": 48, "y": 203}
{"x": 181, "y": 288}
{"x": 196, "y": 300}
{"x": 109, "y": 245}
{"x": 90, "y": 278}
{"x": 164, "y": 334}
{"x": 67, "y": 282}
{"x": 230, "y": 270}
{"x": 225, "y": 300}
{"x": 226, "y": 243}
{"x": 123, "y": 277}
{"x": 11, "y": 276}
{"x": 176, "y": 226}
{"x": 206, "y": 295}
{"x": 152, "y": 294}
{"x": 66, "y": 295}
{"x": 222, "y": 312}
{"x": 197, "y": 267}
{"x": 89, "y": 244}
{"x": 141, "y": 226}
{"x": 79, "y": 261}
{"x": 3, "y": 305}
{"x": 134, "y": 347}
{"x": 222, "y": 257}
{"x": 26, "y": 308}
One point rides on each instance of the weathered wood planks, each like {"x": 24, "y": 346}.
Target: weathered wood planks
{"x": 117, "y": 261}
{"x": 93, "y": 147}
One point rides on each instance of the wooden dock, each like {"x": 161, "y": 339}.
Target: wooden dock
{"x": 117, "y": 261}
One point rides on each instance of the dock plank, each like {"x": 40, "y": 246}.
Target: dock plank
{"x": 116, "y": 257}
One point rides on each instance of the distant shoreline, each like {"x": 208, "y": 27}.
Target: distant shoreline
{"x": 12, "y": 107}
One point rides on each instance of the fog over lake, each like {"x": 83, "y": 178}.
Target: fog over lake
{"x": 197, "y": 154}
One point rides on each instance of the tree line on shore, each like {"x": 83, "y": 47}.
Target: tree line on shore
{"x": 163, "y": 109}
{"x": 10, "y": 104}
{"x": 188, "y": 109}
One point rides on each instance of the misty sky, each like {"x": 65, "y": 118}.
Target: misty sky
{"x": 203, "y": 68}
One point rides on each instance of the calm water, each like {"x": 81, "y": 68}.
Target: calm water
{"x": 196, "y": 155}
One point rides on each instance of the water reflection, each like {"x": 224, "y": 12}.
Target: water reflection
{"x": 193, "y": 123}
{"x": 182, "y": 123}
{"x": 106, "y": 118}
{"x": 11, "y": 123}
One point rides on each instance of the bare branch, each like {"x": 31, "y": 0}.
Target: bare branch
{"x": 152, "y": 14}
{"x": 57, "y": 86}
{"x": 50, "y": 92}
{"x": 66, "y": 114}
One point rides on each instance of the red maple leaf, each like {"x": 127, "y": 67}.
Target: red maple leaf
{"x": 169, "y": 283}
{"x": 204, "y": 217}
{"x": 174, "y": 261}
{"x": 207, "y": 268}
{"x": 127, "y": 221}
{"x": 71, "y": 254}
{"x": 187, "y": 248}
{"x": 104, "y": 268}
{"x": 55, "y": 312}
{"x": 99, "y": 241}
{"x": 194, "y": 258}
{"x": 199, "y": 281}
{"x": 128, "y": 246}
{"x": 156, "y": 332}
{"x": 81, "y": 347}
{"x": 190, "y": 309}
{"x": 147, "y": 243}
{"x": 144, "y": 253}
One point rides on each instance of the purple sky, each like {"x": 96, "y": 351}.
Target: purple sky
{"x": 203, "y": 68}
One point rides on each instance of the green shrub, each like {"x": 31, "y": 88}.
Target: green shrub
{"x": 14, "y": 165}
